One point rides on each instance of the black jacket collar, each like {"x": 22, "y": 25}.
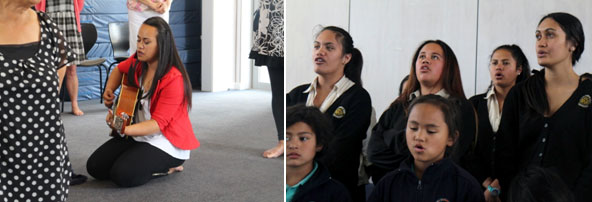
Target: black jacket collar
{"x": 320, "y": 177}
{"x": 433, "y": 171}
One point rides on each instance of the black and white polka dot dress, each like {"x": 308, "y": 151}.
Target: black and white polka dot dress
{"x": 34, "y": 163}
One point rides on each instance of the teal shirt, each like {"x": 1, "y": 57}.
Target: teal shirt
{"x": 291, "y": 190}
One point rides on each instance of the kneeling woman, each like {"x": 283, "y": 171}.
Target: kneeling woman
{"x": 161, "y": 137}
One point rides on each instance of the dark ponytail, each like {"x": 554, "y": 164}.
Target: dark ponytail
{"x": 519, "y": 57}
{"x": 353, "y": 69}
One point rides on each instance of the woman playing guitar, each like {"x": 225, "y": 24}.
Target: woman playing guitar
{"x": 160, "y": 137}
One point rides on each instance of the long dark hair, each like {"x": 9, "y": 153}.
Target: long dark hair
{"x": 451, "y": 81}
{"x": 519, "y": 57}
{"x": 406, "y": 78}
{"x": 573, "y": 32}
{"x": 353, "y": 69}
{"x": 316, "y": 120}
{"x": 168, "y": 57}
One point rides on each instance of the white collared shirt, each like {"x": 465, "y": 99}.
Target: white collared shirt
{"x": 493, "y": 109}
{"x": 158, "y": 140}
{"x": 338, "y": 89}
{"x": 441, "y": 93}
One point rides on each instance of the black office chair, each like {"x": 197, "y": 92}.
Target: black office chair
{"x": 89, "y": 37}
{"x": 119, "y": 36}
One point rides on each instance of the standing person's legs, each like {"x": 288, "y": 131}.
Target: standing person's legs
{"x": 141, "y": 163}
{"x": 72, "y": 86}
{"x": 276, "y": 77}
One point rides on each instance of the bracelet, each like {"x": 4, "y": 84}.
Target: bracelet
{"x": 494, "y": 191}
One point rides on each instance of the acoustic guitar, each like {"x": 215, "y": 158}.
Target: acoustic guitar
{"x": 124, "y": 108}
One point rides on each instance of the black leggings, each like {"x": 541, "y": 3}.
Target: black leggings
{"x": 276, "y": 77}
{"x": 129, "y": 163}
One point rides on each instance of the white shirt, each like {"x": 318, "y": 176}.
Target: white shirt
{"x": 493, "y": 108}
{"x": 441, "y": 93}
{"x": 340, "y": 87}
{"x": 158, "y": 140}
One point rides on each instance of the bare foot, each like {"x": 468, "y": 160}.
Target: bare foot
{"x": 276, "y": 151}
{"x": 77, "y": 111}
{"x": 175, "y": 169}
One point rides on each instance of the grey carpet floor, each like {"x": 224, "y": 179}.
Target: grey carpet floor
{"x": 234, "y": 128}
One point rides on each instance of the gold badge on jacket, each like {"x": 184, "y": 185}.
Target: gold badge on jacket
{"x": 585, "y": 101}
{"x": 339, "y": 112}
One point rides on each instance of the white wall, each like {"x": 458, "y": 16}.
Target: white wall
{"x": 245, "y": 28}
{"x": 301, "y": 17}
{"x": 207, "y": 44}
{"x": 388, "y": 32}
{"x": 219, "y": 31}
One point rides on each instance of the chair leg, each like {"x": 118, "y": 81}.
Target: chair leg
{"x": 101, "y": 82}
{"x": 111, "y": 66}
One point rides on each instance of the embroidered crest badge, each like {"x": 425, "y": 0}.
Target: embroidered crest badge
{"x": 585, "y": 101}
{"x": 339, "y": 112}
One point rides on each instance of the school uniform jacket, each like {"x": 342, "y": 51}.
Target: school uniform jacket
{"x": 442, "y": 181}
{"x": 387, "y": 147}
{"x": 320, "y": 187}
{"x": 561, "y": 142}
{"x": 350, "y": 115}
{"x": 482, "y": 163}
{"x": 168, "y": 107}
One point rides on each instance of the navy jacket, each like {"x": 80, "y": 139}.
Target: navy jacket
{"x": 442, "y": 180}
{"x": 387, "y": 147}
{"x": 320, "y": 187}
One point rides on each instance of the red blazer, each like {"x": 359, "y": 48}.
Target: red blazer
{"x": 168, "y": 107}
